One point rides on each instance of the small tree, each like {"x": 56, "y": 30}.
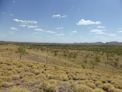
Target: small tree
{"x": 65, "y": 56}
{"x": 97, "y": 59}
{"x": 21, "y": 51}
{"x": 86, "y": 57}
{"x": 107, "y": 59}
{"x": 115, "y": 63}
{"x": 55, "y": 52}
{"x": 95, "y": 62}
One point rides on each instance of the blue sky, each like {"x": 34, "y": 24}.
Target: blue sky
{"x": 61, "y": 20}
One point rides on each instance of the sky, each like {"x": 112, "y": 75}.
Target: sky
{"x": 61, "y": 21}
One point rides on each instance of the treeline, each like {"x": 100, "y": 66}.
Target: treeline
{"x": 117, "y": 49}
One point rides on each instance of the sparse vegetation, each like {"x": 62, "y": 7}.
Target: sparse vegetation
{"x": 68, "y": 68}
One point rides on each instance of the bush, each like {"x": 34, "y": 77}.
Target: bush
{"x": 50, "y": 86}
{"x": 64, "y": 87}
{"x": 6, "y": 84}
{"x": 98, "y": 90}
{"x": 108, "y": 87}
{"x": 91, "y": 85}
{"x": 18, "y": 89}
{"x": 81, "y": 88}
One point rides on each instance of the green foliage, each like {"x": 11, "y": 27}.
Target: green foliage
{"x": 97, "y": 59}
{"x": 55, "y": 52}
{"x": 22, "y": 51}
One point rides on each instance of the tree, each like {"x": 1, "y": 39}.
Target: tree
{"x": 86, "y": 57}
{"x": 115, "y": 63}
{"x": 97, "y": 59}
{"x": 22, "y": 51}
{"x": 93, "y": 63}
{"x": 55, "y": 52}
{"x": 107, "y": 59}
{"x": 65, "y": 55}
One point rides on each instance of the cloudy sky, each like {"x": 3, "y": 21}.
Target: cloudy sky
{"x": 61, "y": 20}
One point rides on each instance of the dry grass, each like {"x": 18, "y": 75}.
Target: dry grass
{"x": 18, "y": 89}
{"x": 30, "y": 76}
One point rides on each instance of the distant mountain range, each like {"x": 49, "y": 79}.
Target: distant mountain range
{"x": 84, "y": 43}
{"x": 101, "y": 43}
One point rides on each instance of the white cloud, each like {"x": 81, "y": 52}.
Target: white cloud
{"x": 38, "y": 29}
{"x": 59, "y": 16}
{"x": 32, "y": 26}
{"x": 41, "y": 30}
{"x": 29, "y": 26}
{"x": 119, "y": 31}
{"x": 87, "y": 22}
{"x": 59, "y": 28}
{"x": 25, "y": 21}
{"x": 97, "y": 31}
{"x": 102, "y": 32}
{"x": 74, "y": 31}
{"x": 111, "y": 34}
{"x": 52, "y": 32}
{"x": 47, "y": 31}
{"x": 23, "y": 25}
{"x": 13, "y": 28}
{"x": 101, "y": 27}
{"x": 59, "y": 34}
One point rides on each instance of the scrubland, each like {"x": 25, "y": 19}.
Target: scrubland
{"x": 60, "y": 68}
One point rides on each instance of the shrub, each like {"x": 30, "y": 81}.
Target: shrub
{"x": 64, "y": 87}
{"x": 117, "y": 90}
{"x": 91, "y": 85}
{"x": 108, "y": 87}
{"x": 50, "y": 86}
{"x": 18, "y": 89}
{"x": 81, "y": 88}
{"x": 98, "y": 84}
{"x": 98, "y": 90}
{"x": 6, "y": 84}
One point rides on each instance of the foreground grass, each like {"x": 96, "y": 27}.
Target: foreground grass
{"x": 26, "y": 76}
